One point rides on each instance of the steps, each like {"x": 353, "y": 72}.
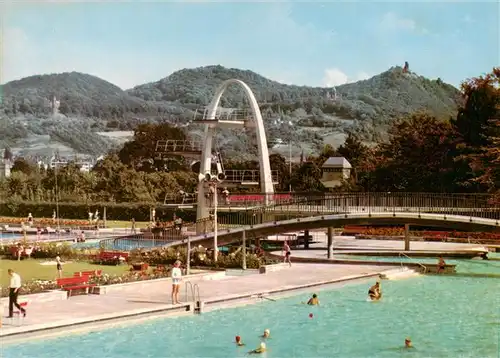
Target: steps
{"x": 399, "y": 273}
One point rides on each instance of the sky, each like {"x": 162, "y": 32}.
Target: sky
{"x": 307, "y": 43}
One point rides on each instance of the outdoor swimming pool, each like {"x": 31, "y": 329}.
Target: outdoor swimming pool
{"x": 9, "y": 236}
{"x": 444, "y": 316}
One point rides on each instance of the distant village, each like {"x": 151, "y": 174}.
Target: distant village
{"x": 85, "y": 162}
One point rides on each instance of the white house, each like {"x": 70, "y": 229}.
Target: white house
{"x": 335, "y": 171}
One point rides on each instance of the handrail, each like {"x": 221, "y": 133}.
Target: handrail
{"x": 195, "y": 291}
{"x": 421, "y": 265}
{"x": 188, "y": 283}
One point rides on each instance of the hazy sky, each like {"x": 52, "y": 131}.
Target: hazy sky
{"x": 310, "y": 43}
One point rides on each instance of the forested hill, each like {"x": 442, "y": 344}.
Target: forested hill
{"x": 380, "y": 97}
{"x": 94, "y": 104}
{"x": 79, "y": 94}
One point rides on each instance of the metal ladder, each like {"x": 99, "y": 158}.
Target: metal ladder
{"x": 402, "y": 254}
{"x": 195, "y": 294}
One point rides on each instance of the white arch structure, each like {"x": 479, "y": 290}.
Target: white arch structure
{"x": 266, "y": 182}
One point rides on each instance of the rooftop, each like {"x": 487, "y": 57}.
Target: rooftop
{"x": 336, "y": 162}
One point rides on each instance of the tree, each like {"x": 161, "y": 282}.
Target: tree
{"x": 23, "y": 166}
{"x": 307, "y": 177}
{"x": 140, "y": 153}
{"x": 478, "y": 129}
{"x": 418, "y": 157}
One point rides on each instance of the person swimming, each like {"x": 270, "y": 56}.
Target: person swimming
{"x": 238, "y": 341}
{"x": 375, "y": 292}
{"x": 267, "y": 333}
{"x": 408, "y": 343}
{"x": 313, "y": 301}
{"x": 441, "y": 265}
{"x": 262, "y": 348}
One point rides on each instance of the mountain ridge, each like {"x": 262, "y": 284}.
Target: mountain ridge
{"x": 367, "y": 106}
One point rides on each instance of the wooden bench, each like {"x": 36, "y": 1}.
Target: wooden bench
{"x": 75, "y": 283}
{"x": 110, "y": 255}
{"x": 89, "y": 274}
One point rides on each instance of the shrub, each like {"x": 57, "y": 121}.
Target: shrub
{"x": 31, "y": 287}
{"x": 39, "y": 286}
{"x": 199, "y": 257}
{"x": 49, "y": 250}
{"x": 79, "y": 211}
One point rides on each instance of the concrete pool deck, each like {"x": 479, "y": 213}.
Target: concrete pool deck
{"x": 154, "y": 297}
{"x": 351, "y": 243}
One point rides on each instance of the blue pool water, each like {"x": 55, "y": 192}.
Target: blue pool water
{"x": 9, "y": 236}
{"x": 444, "y": 316}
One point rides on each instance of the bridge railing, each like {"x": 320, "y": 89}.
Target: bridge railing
{"x": 361, "y": 200}
{"x": 289, "y": 206}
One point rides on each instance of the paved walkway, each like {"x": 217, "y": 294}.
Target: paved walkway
{"x": 155, "y": 295}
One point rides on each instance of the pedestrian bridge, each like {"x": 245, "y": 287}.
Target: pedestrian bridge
{"x": 227, "y": 234}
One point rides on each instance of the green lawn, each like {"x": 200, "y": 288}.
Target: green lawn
{"x": 126, "y": 224}
{"x": 31, "y": 269}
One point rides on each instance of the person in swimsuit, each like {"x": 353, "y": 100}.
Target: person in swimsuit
{"x": 288, "y": 253}
{"x": 176, "y": 282}
{"x": 313, "y": 301}
{"x": 267, "y": 333}
{"x": 408, "y": 343}
{"x": 441, "y": 265}
{"x": 59, "y": 267}
{"x": 375, "y": 293}
{"x": 262, "y": 348}
{"x": 239, "y": 343}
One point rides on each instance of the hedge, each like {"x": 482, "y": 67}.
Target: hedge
{"x": 114, "y": 211}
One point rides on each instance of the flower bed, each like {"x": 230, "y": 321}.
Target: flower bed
{"x": 199, "y": 257}
{"x": 400, "y": 231}
{"x": 31, "y": 287}
{"x": 49, "y": 250}
{"x": 39, "y": 286}
{"x": 43, "y": 222}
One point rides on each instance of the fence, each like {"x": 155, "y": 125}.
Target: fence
{"x": 148, "y": 238}
{"x": 303, "y": 205}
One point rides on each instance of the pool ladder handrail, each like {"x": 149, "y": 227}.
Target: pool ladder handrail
{"x": 412, "y": 260}
{"x": 195, "y": 294}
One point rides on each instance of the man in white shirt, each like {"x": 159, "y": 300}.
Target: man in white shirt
{"x": 176, "y": 282}
{"x": 14, "y": 286}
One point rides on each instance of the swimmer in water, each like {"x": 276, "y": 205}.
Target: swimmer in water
{"x": 238, "y": 341}
{"x": 441, "y": 265}
{"x": 267, "y": 334}
{"x": 375, "y": 292}
{"x": 408, "y": 343}
{"x": 313, "y": 301}
{"x": 262, "y": 348}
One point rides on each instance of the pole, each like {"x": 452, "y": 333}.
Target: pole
{"x": 216, "y": 250}
{"x": 290, "y": 166}
{"x": 407, "y": 237}
{"x": 57, "y": 200}
{"x": 104, "y": 217}
{"x": 330, "y": 242}
{"x": 188, "y": 260}
{"x": 244, "y": 250}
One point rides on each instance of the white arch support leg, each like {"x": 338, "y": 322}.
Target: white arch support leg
{"x": 266, "y": 181}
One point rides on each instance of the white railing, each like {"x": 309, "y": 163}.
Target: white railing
{"x": 401, "y": 254}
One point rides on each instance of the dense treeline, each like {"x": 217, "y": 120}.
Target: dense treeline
{"x": 423, "y": 153}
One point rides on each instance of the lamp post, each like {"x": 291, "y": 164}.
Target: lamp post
{"x": 216, "y": 201}
{"x": 290, "y": 166}
{"x": 212, "y": 181}
{"x": 188, "y": 259}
